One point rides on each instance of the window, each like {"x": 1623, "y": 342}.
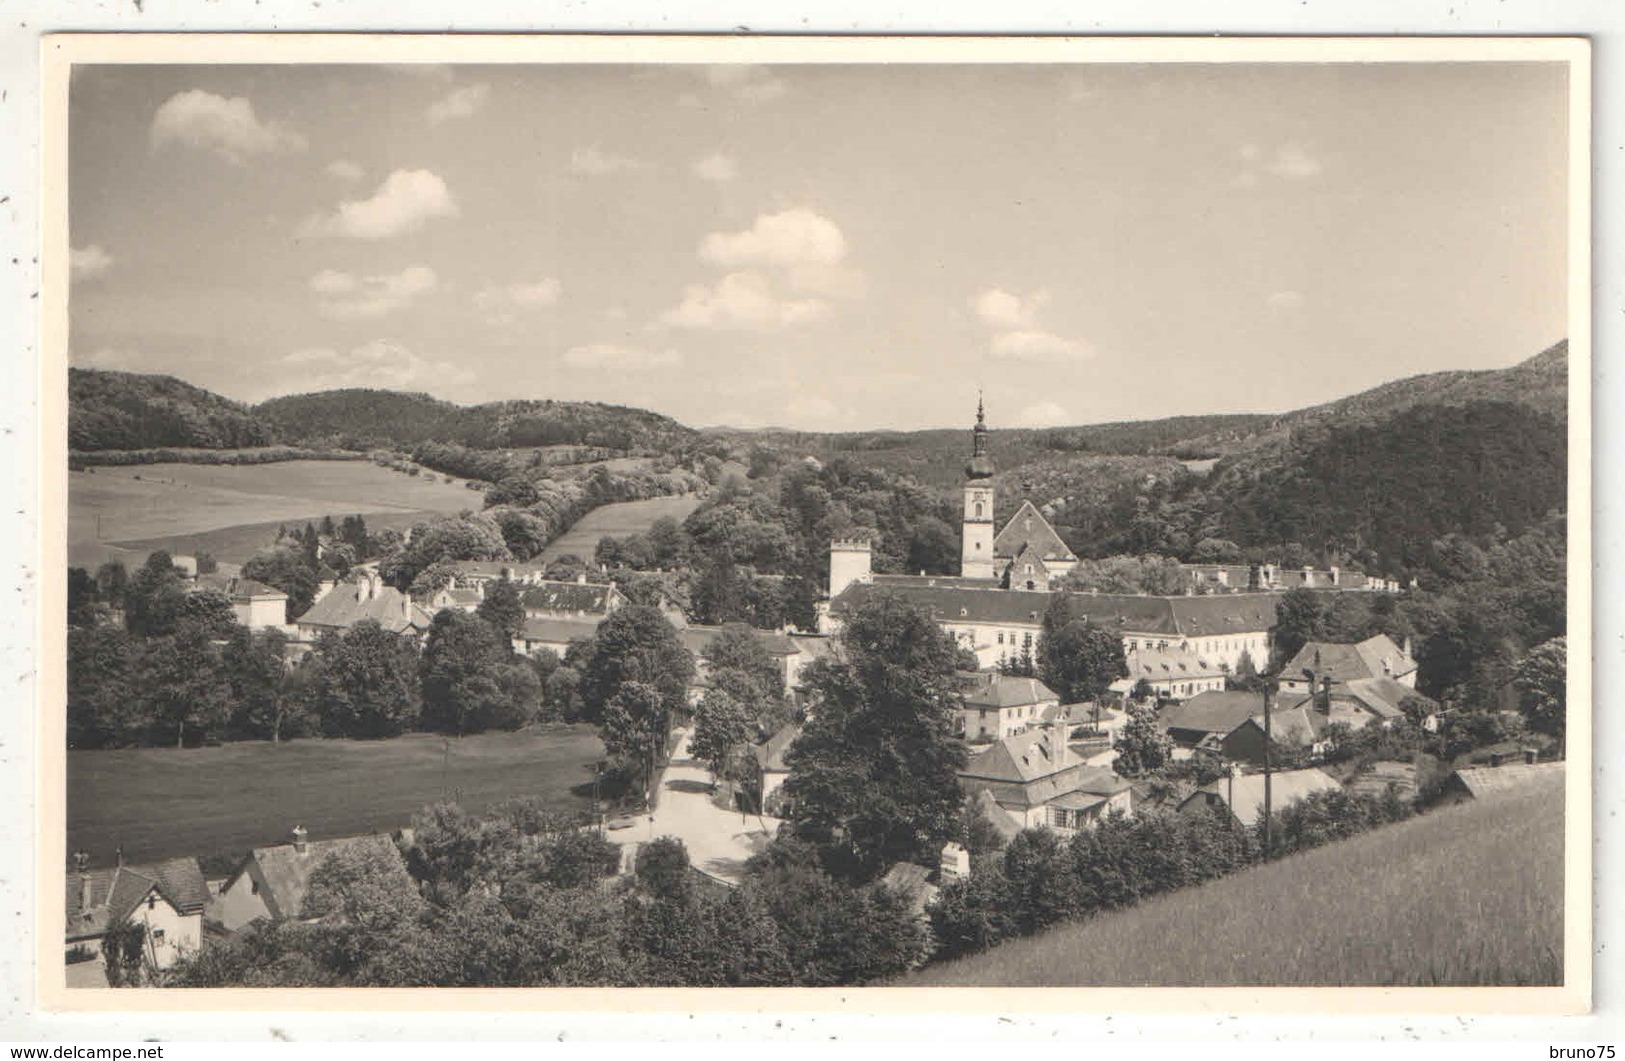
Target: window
{"x": 253, "y": 887}
{"x": 158, "y": 936}
{"x": 978, "y": 510}
{"x": 1001, "y": 637}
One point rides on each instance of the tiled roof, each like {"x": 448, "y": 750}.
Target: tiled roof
{"x": 286, "y": 872}
{"x": 1007, "y": 691}
{"x": 115, "y": 893}
{"x": 1245, "y": 794}
{"x": 951, "y": 600}
{"x": 1217, "y": 712}
{"x": 697, "y": 639}
{"x": 558, "y": 631}
{"x": 463, "y": 597}
{"x": 1022, "y": 758}
{"x": 494, "y": 569}
{"x": 1028, "y": 529}
{"x": 1167, "y": 664}
{"x": 583, "y": 598}
{"x": 1300, "y": 724}
{"x": 1347, "y": 663}
{"x": 1004, "y": 823}
{"x": 1379, "y": 777}
{"x": 349, "y": 603}
{"x": 955, "y": 581}
{"x": 237, "y": 587}
{"x": 1382, "y": 695}
{"x": 770, "y": 753}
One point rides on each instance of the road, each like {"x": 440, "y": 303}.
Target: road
{"x": 719, "y": 841}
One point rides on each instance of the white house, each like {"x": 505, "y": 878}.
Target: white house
{"x": 271, "y": 883}
{"x": 1001, "y": 706}
{"x": 167, "y": 898}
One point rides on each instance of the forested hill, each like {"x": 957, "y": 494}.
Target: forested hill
{"x": 127, "y": 410}
{"x": 361, "y": 418}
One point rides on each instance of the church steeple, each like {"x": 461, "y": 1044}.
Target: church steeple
{"x": 976, "y": 548}
{"x": 981, "y": 465}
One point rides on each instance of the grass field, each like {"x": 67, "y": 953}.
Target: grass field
{"x": 162, "y": 802}
{"x": 174, "y": 505}
{"x": 1464, "y": 896}
{"x": 619, "y": 520}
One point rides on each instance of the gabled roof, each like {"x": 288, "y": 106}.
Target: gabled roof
{"x": 1022, "y": 758}
{"x": 494, "y": 569}
{"x": 1216, "y": 712}
{"x": 1245, "y": 794}
{"x": 1004, "y": 823}
{"x": 770, "y": 753}
{"x": 697, "y": 639}
{"x": 1169, "y": 664}
{"x": 990, "y": 605}
{"x": 115, "y": 893}
{"x": 1008, "y": 691}
{"x": 1382, "y": 695}
{"x": 1379, "y": 777}
{"x": 1028, "y": 529}
{"x": 285, "y": 871}
{"x": 349, "y": 603}
{"x": 557, "y": 631}
{"x": 236, "y": 587}
{"x": 458, "y": 598}
{"x": 584, "y": 598}
{"x": 1299, "y": 724}
{"x": 1375, "y": 657}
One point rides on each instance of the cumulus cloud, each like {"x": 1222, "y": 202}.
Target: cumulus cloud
{"x": 345, "y": 170}
{"x": 1018, "y": 336}
{"x": 1041, "y": 414}
{"x": 227, "y": 127}
{"x": 85, "y": 263}
{"x": 612, "y": 355}
{"x": 459, "y": 103}
{"x": 343, "y": 296}
{"x": 590, "y": 161}
{"x": 503, "y": 303}
{"x": 788, "y": 238}
{"x": 380, "y": 363}
{"x": 405, "y": 202}
{"x": 999, "y": 308}
{"x": 1292, "y": 162}
{"x": 742, "y": 300}
{"x": 1033, "y": 345}
{"x": 718, "y": 168}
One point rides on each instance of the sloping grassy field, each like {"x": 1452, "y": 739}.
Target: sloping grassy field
{"x": 620, "y": 520}
{"x": 167, "y": 802}
{"x": 1463, "y": 896}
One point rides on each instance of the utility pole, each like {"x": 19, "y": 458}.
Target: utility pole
{"x": 1269, "y": 826}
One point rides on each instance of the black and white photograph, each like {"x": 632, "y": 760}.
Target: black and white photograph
{"x": 709, "y": 516}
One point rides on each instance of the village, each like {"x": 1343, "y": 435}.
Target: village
{"x": 1182, "y": 718}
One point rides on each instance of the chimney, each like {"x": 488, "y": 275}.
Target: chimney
{"x": 300, "y": 838}
{"x": 581, "y": 578}
{"x": 1495, "y": 758}
{"x": 118, "y": 854}
{"x": 1406, "y": 648}
{"x": 1531, "y": 756}
{"x": 955, "y": 863}
{"x": 1337, "y": 575}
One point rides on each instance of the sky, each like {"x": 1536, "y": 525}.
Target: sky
{"x": 825, "y": 247}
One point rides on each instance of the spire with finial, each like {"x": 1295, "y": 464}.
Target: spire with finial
{"x": 981, "y": 465}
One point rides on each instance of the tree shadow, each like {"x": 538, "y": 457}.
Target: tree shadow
{"x": 697, "y": 787}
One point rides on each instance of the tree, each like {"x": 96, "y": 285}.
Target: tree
{"x": 634, "y": 723}
{"x": 103, "y": 709}
{"x": 662, "y": 869}
{"x": 183, "y": 687}
{"x": 1076, "y": 658}
{"x": 151, "y": 596}
{"x": 1542, "y": 682}
{"x": 1299, "y": 616}
{"x": 636, "y": 644}
{"x": 366, "y": 682}
{"x": 289, "y": 570}
{"x": 471, "y": 680}
{"x": 934, "y": 547}
{"x": 738, "y": 647}
{"x": 874, "y": 775}
{"x": 721, "y": 724}
{"x": 1142, "y": 747}
{"x": 258, "y": 678}
{"x": 502, "y": 607}
{"x": 85, "y": 607}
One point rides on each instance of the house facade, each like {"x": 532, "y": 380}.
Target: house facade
{"x": 1035, "y": 780}
{"x": 1242, "y": 796}
{"x": 166, "y": 898}
{"x": 271, "y": 883}
{"x": 348, "y": 603}
{"x": 999, "y": 706}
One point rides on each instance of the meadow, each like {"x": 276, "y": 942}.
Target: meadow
{"x": 1469, "y": 895}
{"x": 125, "y": 512}
{"x": 163, "y": 802}
{"x": 620, "y": 520}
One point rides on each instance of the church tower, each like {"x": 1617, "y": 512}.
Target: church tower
{"x": 976, "y": 550}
